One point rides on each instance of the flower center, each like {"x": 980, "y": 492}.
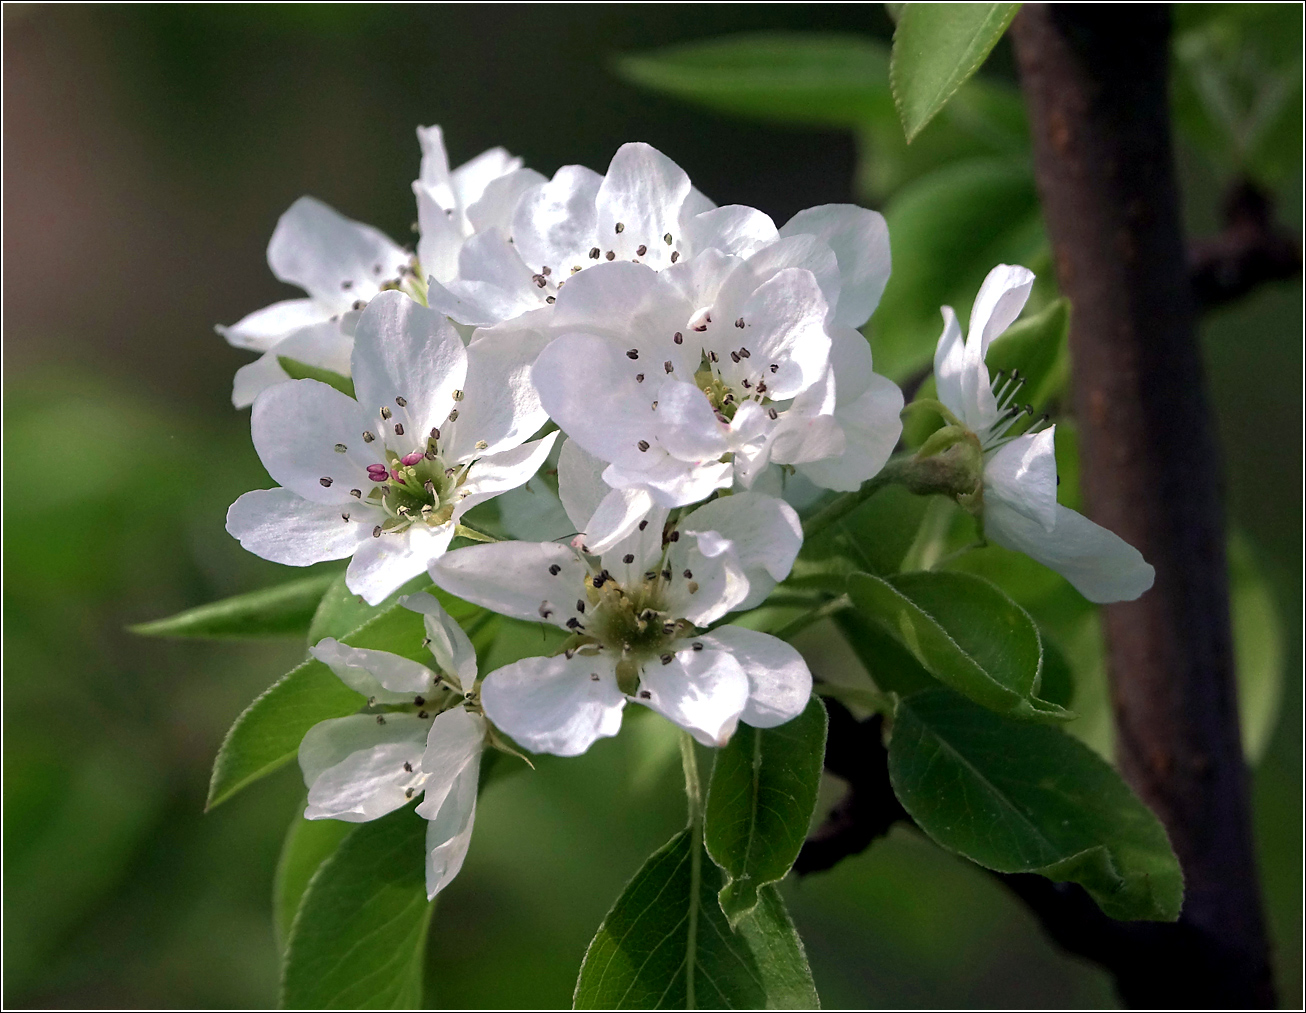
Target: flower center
{"x": 415, "y": 488}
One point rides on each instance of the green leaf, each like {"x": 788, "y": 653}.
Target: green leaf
{"x": 341, "y": 611}
{"x": 359, "y": 939}
{"x": 1258, "y": 649}
{"x": 308, "y": 844}
{"x": 284, "y": 610}
{"x": 269, "y": 731}
{"x": 830, "y": 80}
{"x": 666, "y": 945}
{"x": 947, "y": 230}
{"x": 303, "y": 371}
{"x": 890, "y": 665}
{"x": 966, "y": 633}
{"x": 1037, "y": 346}
{"x": 760, "y": 802}
{"x": 936, "y": 48}
{"x": 1028, "y": 798}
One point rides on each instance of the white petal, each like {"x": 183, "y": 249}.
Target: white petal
{"x": 587, "y": 384}
{"x": 784, "y": 325}
{"x": 556, "y": 222}
{"x": 860, "y": 241}
{"x": 1023, "y": 474}
{"x": 471, "y": 179}
{"x": 455, "y": 740}
{"x": 496, "y": 204}
{"x": 496, "y": 473}
{"x": 493, "y": 283}
{"x": 607, "y": 299}
{"x": 1101, "y": 565}
{"x": 434, "y": 171}
{"x": 263, "y": 328}
{"x": 383, "y": 564}
{"x": 872, "y": 425}
{"x": 323, "y": 345}
{"x": 278, "y": 525}
{"x": 452, "y": 650}
{"x": 716, "y": 582}
{"x": 672, "y": 482}
{"x": 514, "y": 579}
{"x": 332, "y": 258}
{"x": 296, "y": 427}
{"x": 555, "y": 705}
{"x": 641, "y": 195}
{"x": 802, "y": 440}
{"x": 733, "y": 229}
{"x": 703, "y": 692}
{"x": 766, "y": 534}
{"x": 617, "y": 519}
{"x": 354, "y": 767}
{"x": 779, "y": 682}
{"x": 998, "y": 303}
{"x": 687, "y": 426}
{"x": 951, "y": 365}
{"x": 580, "y": 483}
{"x": 386, "y": 677}
{"x": 500, "y": 406}
{"x": 449, "y": 833}
{"x": 441, "y": 235}
{"x": 641, "y": 543}
{"x": 402, "y": 349}
{"x": 806, "y": 252}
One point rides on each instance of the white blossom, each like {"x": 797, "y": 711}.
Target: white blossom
{"x": 1020, "y": 508}
{"x": 342, "y": 264}
{"x": 634, "y": 614}
{"x": 418, "y": 736}
{"x": 385, "y": 478}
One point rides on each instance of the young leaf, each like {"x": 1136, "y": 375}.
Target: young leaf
{"x": 308, "y": 844}
{"x": 284, "y": 610}
{"x": 341, "y": 611}
{"x": 760, "y": 802}
{"x": 1028, "y": 798}
{"x": 269, "y": 731}
{"x": 936, "y": 47}
{"x": 666, "y": 945}
{"x": 359, "y": 938}
{"x": 297, "y": 370}
{"x": 966, "y": 633}
{"x": 831, "y": 80}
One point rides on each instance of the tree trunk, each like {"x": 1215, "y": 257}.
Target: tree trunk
{"x": 1094, "y": 78}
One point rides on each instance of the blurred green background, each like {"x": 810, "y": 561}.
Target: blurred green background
{"x": 148, "y": 153}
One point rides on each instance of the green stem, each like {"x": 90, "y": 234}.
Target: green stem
{"x": 797, "y": 625}
{"x": 694, "y": 797}
{"x": 839, "y": 508}
{"x": 476, "y": 536}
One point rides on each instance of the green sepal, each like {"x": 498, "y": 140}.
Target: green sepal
{"x": 297, "y": 370}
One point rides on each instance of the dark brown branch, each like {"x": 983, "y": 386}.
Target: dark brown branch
{"x": 1251, "y": 250}
{"x": 1095, "y": 83}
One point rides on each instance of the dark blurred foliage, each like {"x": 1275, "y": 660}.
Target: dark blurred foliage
{"x": 148, "y": 152}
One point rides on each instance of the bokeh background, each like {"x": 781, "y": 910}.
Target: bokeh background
{"x": 148, "y": 152}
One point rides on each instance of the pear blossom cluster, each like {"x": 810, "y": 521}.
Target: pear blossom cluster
{"x": 679, "y": 367}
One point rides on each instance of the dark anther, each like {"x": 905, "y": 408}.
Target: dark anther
{"x": 399, "y": 429}
{"x": 386, "y": 412}
{"x": 408, "y": 767}
{"x": 573, "y": 623}
{"x": 775, "y": 367}
{"x": 667, "y": 659}
{"x": 540, "y": 280}
{"x": 668, "y": 367}
{"x": 628, "y": 558}
{"x": 773, "y": 413}
{"x": 641, "y": 250}
{"x": 666, "y": 574}
{"x": 734, "y": 356}
{"x": 555, "y": 569}
{"x": 612, "y": 255}
{"x": 326, "y": 482}
{"x": 376, "y": 531}
{"x": 368, "y": 437}
{"x": 550, "y": 299}
{"x": 580, "y": 605}
{"x": 744, "y": 353}
{"x": 639, "y": 377}
{"x": 380, "y": 719}
{"x": 740, "y": 322}
{"x": 678, "y": 338}
{"x": 643, "y": 525}
{"x": 594, "y": 677}
{"x": 645, "y": 695}
{"x": 632, "y": 353}
{"x": 356, "y": 493}
{"x": 697, "y": 645}
{"x": 400, "y": 401}
{"x": 595, "y": 252}
{"x": 675, "y": 255}
{"x": 346, "y": 285}
{"x": 642, "y": 444}
{"x": 359, "y": 304}
{"x": 688, "y": 575}
{"x": 620, "y": 228}
{"x": 419, "y": 701}
{"x": 674, "y": 536}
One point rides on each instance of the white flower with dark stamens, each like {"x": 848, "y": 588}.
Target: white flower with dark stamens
{"x": 421, "y": 733}
{"x": 436, "y": 429}
{"x": 679, "y": 379}
{"x": 1020, "y": 508}
{"x": 342, "y": 264}
{"x": 639, "y": 211}
{"x": 633, "y": 614}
